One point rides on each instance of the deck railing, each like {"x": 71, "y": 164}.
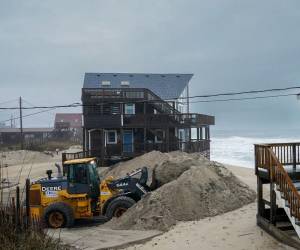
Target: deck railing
{"x": 287, "y": 153}
{"x": 184, "y": 120}
{"x": 79, "y": 155}
{"x": 273, "y": 157}
{"x": 126, "y": 94}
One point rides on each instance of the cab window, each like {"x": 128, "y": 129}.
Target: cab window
{"x": 94, "y": 177}
{"x": 78, "y": 174}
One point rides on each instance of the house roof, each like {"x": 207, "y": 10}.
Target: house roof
{"x": 75, "y": 119}
{"x": 166, "y": 86}
{"x": 26, "y": 130}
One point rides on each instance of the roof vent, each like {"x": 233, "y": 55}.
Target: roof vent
{"x": 178, "y": 76}
{"x": 163, "y": 76}
{"x": 125, "y": 83}
{"x": 114, "y": 75}
{"x": 131, "y": 75}
{"x": 147, "y": 75}
{"x": 105, "y": 83}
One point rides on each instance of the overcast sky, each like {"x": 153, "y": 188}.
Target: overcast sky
{"x": 47, "y": 46}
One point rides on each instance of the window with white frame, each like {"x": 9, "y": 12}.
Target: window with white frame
{"x": 159, "y": 136}
{"x": 125, "y": 83}
{"x": 111, "y": 137}
{"x": 105, "y": 83}
{"x": 129, "y": 109}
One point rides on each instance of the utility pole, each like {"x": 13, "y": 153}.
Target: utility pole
{"x": 1, "y": 186}
{"x": 188, "y": 98}
{"x": 21, "y": 124}
{"x": 11, "y": 121}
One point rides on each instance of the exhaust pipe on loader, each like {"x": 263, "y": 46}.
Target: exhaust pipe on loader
{"x": 59, "y": 172}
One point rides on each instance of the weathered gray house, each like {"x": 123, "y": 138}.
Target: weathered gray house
{"x": 125, "y": 115}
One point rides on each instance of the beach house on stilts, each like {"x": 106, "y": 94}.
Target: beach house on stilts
{"x": 126, "y": 115}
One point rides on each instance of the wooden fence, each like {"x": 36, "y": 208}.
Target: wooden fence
{"x": 15, "y": 211}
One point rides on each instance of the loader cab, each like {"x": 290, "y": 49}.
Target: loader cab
{"x": 82, "y": 177}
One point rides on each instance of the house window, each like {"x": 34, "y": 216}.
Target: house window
{"x": 115, "y": 109}
{"x": 105, "y": 83}
{"x": 125, "y": 83}
{"x": 111, "y": 137}
{"x": 129, "y": 109}
{"x": 159, "y": 136}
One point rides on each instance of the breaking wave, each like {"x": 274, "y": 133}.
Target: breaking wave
{"x": 239, "y": 151}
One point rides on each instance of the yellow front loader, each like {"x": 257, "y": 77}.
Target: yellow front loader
{"x": 79, "y": 193}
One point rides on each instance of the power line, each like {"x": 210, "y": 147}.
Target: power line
{"x": 76, "y": 104}
{"x": 245, "y": 98}
{"x": 29, "y": 103}
{"x": 244, "y": 92}
{"x": 14, "y": 100}
{"x": 45, "y": 107}
{"x": 5, "y": 102}
{"x": 50, "y": 108}
{"x": 31, "y": 114}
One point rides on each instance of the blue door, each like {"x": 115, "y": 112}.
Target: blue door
{"x": 127, "y": 141}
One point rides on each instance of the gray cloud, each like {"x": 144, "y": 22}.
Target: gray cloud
{"x": 46, "y": 46}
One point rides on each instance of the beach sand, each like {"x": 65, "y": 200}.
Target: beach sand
{"x": 233, "y": 230}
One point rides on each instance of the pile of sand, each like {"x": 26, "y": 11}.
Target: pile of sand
{"x": 155, "y": 160}
{"x": 149, "y": 160}
{"x": 189, "y": 187}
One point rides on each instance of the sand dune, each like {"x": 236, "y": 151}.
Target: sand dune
{"x": 235, "y": 230}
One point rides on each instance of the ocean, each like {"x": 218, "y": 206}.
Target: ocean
{"x": 237, "y": 147}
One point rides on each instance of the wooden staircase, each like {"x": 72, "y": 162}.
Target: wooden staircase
{"x": 287, "y": 208}
{"x": 278, "y": 165}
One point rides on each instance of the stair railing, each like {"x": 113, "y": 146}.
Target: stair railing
{"x": 162, "y": 104}
{"x": 267, "y": 159}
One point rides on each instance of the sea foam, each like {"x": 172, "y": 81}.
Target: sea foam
{"x": 239, "y": 151}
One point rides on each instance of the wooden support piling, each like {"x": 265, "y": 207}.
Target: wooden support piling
{"x": 18, "y": 206}
{"x": 27, "y": 202}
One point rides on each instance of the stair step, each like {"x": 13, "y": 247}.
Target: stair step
{"x": 287, "y": 204}
{"x": 297, "y": 185}
{"x": 287, "y": 207}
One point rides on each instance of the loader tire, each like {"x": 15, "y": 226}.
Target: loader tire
{"x": 58, "y": 215}
{"x": 118, "y": 206}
